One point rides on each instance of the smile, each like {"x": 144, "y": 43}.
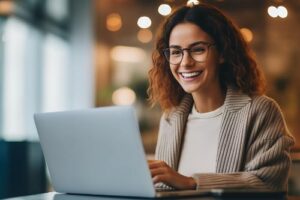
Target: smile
{"x": 190, "y": 74}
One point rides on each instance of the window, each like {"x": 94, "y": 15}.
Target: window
{"x": 35, "y": 65}
{"x": 14, "y": 78}
{"x": 55, "y": 74}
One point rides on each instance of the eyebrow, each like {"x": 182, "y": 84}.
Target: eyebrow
{"x": 190, "y": 45}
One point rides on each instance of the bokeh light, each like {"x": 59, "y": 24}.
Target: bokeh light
{"x": 127, "y": 54}
{"x": 144, "y": 35}
{"x": 144, "y": 22}
{"x": 272, "y": 11}
{"x": 282, "y": 12}
{"x": 164, "y": 9}
{"x": 191, "y": 3}
{"x": 247, "y": 34}
{"x": 123, "y": 96}
{"x": 113, "y": 22}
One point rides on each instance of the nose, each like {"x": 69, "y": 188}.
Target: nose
{"x": 187, "y": 60}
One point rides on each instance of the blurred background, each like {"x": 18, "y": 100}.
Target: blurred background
{"x": 74, "y": 54}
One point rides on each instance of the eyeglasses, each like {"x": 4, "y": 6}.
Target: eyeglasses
{"x": 198, "y": 52}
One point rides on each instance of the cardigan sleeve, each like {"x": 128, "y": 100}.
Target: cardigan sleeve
{"x": 267, "y": 160}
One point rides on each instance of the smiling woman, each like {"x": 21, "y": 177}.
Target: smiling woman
{"x": 196, "y": 71}
{"x": 218, "y": 129}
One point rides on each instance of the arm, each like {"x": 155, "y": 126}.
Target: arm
{"x": 163, "y": 173}
{"x": 268, "y": 170}
{"x": 267, "y": 160}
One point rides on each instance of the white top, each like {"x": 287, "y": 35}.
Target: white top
{"x": 200, "y": 145}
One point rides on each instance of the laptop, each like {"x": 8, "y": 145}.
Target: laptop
{"x": 98, "y": 152}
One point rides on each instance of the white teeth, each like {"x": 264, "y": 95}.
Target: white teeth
{"x": 191, "y": 74}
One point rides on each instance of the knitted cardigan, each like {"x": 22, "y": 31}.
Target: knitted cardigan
{"x": 253, "y": 147}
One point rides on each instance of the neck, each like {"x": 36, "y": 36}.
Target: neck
{"x": 209, "y": 100}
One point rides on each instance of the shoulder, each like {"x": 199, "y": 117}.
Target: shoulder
{"x": 265, "y": 110}
{"x": 265, "y": 115}
{"x": 263, "y": 104}
{"x": 236, "y": 100}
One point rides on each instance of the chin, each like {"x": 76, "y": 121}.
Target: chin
{"x": 190, "y": 90}
{"x": 190, "y": 87}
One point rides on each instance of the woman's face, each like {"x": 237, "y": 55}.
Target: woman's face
{"x": 198, "y": 70}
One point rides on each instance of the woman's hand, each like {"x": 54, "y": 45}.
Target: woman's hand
{"x": 161, "y": 172}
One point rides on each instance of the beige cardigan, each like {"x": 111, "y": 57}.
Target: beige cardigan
{"x": 253, "y": 149}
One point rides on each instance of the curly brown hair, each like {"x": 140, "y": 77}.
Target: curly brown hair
{"x": 239, "y": 69}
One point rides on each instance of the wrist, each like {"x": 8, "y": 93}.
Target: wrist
{"x": 192, "y": 183}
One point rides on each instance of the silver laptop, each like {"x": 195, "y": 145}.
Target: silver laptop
{"x": 98, "y": 152}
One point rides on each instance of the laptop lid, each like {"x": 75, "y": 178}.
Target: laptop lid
{"x": 95, "y": 151}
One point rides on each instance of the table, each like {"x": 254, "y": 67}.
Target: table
{"x": 58, "y": 196}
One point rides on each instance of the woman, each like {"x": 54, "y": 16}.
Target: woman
{"x": 218, "y": 130}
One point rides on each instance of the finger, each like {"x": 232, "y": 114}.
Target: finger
{"x": 154, "y": 161}
{"x": 161, "y": 178}
{"x": 157, "y": 164}
{"x": 158, "y": 171}
{"x": 151, "y": 161}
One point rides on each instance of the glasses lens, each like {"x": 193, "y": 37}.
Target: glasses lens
{"x": 173, "y": 55}
{"x": 199, "y": 52}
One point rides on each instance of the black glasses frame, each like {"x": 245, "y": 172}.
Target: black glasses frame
{"x": 167, "y": 54}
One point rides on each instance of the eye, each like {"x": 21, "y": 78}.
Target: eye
{"x": 175, "y": 52}
{"x": 199, "y": 49}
